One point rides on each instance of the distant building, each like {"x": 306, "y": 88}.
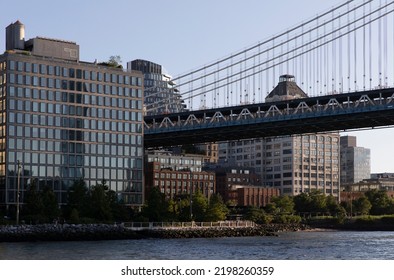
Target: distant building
{"x": 355, "y": 161}
{"x": 226, "y": 177}
{"x": 160, "y": 93}
{"x": 245, "y": 196}
{"x": 63, "y": 120}
{"x": 177, "y": 174}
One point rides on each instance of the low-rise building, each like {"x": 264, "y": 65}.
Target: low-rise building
{"x": 178, "y": 174}
{"x": 245, "y": 196}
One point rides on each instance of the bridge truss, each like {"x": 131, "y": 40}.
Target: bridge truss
{"x": 367, "y": 109}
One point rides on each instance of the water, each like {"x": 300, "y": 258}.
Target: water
{"x": 324, "y": 245}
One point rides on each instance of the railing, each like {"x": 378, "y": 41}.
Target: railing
{"x": 188, "y": 225}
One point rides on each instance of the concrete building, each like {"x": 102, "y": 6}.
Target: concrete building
{"x": 293, "y": 164}
{"x": 63, "y": 119}
{"x": 355, "y": 161}
{"x": 178, "y": 174}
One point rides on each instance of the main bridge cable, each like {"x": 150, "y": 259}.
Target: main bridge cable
{"x": 263, "y": 43}
{"x": 288, "y": 52}
{"x": 256, "y": 46}
{"x": 259, "y": 53}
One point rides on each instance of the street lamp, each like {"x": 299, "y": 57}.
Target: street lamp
{"x": 18, "y": 192}
{"x": 191, "y": 194}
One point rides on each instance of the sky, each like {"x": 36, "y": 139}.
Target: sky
{"x": 178, "y": 34}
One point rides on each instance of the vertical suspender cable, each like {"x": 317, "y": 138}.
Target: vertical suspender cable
{"x": 370, "y": 50}
{"x": 340, "y": 64}
{"x": 348, "y": 47}
{"x": 334, "y": 59}
{"x": 380, "y": 45}
{"x": 355, "y": 51}
{"x": 364, "y": 58}
{"x": 385, "y": 34}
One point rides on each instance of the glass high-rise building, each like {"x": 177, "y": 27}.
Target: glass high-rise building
{"x": 63, "y": 119}
{"x": 355, "y": 161}
{"x": 160, "y": 93}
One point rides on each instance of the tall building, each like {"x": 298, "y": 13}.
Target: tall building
{"x": 63, "y": 119}
{"x": 355, "y": 161}
{"x": 160, "y": 93}
{"x": 293, "y": 164}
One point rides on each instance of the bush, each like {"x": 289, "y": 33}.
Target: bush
{"x": 287, "y": 219}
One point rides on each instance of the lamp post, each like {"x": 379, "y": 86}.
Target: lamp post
{"x": 191, "y": 194}
{"x": 18, "y": 192}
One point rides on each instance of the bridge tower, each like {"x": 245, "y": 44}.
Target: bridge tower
{"x": 293, "y": 164}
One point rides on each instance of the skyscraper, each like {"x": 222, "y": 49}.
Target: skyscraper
{"x": 160, "y": 93}
{"x": 355, "y": 161}
{"x": 63, "y": 119}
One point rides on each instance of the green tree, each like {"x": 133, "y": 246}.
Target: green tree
{"x": 217, "y": 210}
{"x": 257, "y": 215}
{"x": 334, "y": 207}
{"x": 50, "y": 209}
{"x": 33, "y": 207}
{"x": 78, "y": 199}
{"x": 156, "y": 206}
{"x": 362, "y": 205}
{"x": 199, "y": 206}
{"x": 184, "y": 208}
{"x": 100, "y": 204}
{"x": 283, "y": 204}
{"x": 115, "y": 61}
{"x": 302, "y": 203}
{"x": 380, "y": 202}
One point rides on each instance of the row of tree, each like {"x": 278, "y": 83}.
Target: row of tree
{"x": 84, "y": 205}
{"x": 183, "y": 208}
{"x": 100, "y": 204}
{"x": 282, "y": 209}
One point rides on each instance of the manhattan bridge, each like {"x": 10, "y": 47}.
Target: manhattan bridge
{"x": 342, "y": 59}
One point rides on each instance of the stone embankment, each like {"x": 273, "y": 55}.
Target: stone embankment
{"x": 32, "y": 233}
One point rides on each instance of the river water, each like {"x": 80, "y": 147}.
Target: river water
{"x": 303, "y": 245}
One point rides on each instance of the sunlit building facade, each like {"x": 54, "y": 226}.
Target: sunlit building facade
{"x": 63, "y": 120}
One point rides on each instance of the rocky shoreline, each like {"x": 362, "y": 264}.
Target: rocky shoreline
{"x": 49, "y": 232}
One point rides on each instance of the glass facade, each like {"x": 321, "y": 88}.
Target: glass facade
{"x": 160, "y": 95}
{"x": 69, "y": 120}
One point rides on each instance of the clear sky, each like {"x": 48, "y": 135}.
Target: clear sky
{"x": 178, "y": 34}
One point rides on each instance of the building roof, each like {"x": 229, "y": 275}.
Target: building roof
{"x": 286, "y": 89}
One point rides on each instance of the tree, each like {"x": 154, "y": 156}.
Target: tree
{"x": 362, "y": 205}
{"x": 77, "y": 198}
{"x": 100, "y": 204}
{"x": 217, "y": 210}
{"x": 257, "y": 215}
{"x": 302, "y": 203}
{"x": 115, "y": 61}
{"x": 50, "y": 209}
{"x": 33, "y": 207}
{"x": 283, "y": 204}
{"x": 199, "y": 206}
{"x": 334, "y": 207}
{"x": 156, "y": 206}
{"x": 381, "y": 203}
